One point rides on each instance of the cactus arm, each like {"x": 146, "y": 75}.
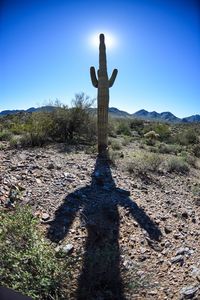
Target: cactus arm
{"x": 112, "y": 78}
{"x": 93, "y": 77}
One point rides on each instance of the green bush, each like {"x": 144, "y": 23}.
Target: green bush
{"x": 143, "y": 162}
{"x": 113, "y": 156}
{"x": 116, "y": 145}
{"x": 163, "y": 130}
{"x": 33, "y": 139}
{"x": 60, "y": 124}
{"x": 196, "y": 190}
{"x": 126, "y": 140}
{"x": 137, "y": 125}
{"x": 15, "y": 141}
{"x": 196, "y": 150}
{"x": 178, "y": 165}
{"x": 123, "y": 128}
{"x": 188, "y": 158}
{"x": 5, "y": 135}
{"x": 2, "y": 146}
{"x": 151, "y": 137}
{"x": 169, "y": 148}
{"x": 28, "y": 262}
{"x": 112, "y": 127}
{"x": 187, "y": 137}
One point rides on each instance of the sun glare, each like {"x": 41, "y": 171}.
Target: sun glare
{"x": 110, "y": 40}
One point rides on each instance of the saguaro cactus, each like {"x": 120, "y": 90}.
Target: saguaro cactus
{"x": 103, "y": 84}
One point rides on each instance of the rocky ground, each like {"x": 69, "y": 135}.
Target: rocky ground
{"x": 135, "y": 238}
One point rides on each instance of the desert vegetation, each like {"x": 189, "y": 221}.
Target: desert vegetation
{"x": 57, "y": 124}
{"x": 48, "y": 153}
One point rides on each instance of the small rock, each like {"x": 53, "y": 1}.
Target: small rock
{"x": 177, "y": 259}
{"x": 195, "y": 273}
{"x": 189, "y": 292}
{"x": 143, "y": 250}
{"x": 9, "y": 203}
{"x": 197, "y": 201}
{"x": 152, "y": 293}
{"x": 182, "y": 251}
{"x": 67, "y": 248}
{"x": 69, "y": 177}
{"x": 38, "y": 180}
{"x": 143, "y": 257}
{"x": 45, "y": 216}
{"x": 50, "y": 166}
{"x": 57, "y": 249}
{"x": 168, "y": 229}
{"x": 185, "y": 215}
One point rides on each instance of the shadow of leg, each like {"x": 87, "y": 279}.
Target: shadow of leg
{"x": 100, "y": 277}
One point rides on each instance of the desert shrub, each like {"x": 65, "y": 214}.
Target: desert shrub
{"x": 187, "y": 137}
{"x": 28, "y": 262}
{"x": 126, "y": 140}
{"x": 2, "y": 146}
{"x": 169, "y": 148}
{"x": 143, "y": 162}
{"x": 191, "y": 160}
{"x": 33, "y": 139}
{"x": 15, "y": 142}
{"x": 81, "y": 122}
{"x": 137, "y": 125}
{"x": 188, "y": 158}
{"x": 91, "y": 149}
{"x": 196, "y": 190}
{"x": 196, "y": 150}
{"x": 163, "y": 130}
{"x": 123, "y": 128}
{"x": 5, "y": 135}
{"x": 151, "y": 137}
{"x": 37, "y": 129}
{"x": 112, "y": 127}
{"x": 113, "y": 156}
{"x": 17, "y": 128}
{"x": 178, "y": 165}
{"x": 60, "y": 124}
{"x": 60, "y": 119}
{"x": 116, "y": 145}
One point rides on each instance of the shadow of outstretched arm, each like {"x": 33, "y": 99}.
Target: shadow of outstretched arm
{"x": 143, "y": 220}
{"x": 64, "y": 217}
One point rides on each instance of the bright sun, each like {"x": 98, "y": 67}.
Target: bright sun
{"x": 110, "y": 40}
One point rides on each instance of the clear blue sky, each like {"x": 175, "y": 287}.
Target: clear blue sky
{"x": 45, "y": 53}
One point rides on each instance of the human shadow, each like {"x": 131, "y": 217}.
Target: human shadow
{"x": 97, "y": 205}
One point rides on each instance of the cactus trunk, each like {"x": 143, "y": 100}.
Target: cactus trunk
{"x": 103, "y": 84}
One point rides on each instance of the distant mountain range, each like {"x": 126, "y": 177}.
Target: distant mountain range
{"x": 115, "y": 112}
{"x": 30, "y": 110}
{"x": 154, "y": 116}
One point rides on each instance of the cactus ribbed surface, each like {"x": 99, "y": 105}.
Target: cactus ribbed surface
{"x": 103, "y": 84}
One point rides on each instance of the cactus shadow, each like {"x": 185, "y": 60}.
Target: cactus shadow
{"x": 97, "y": 206}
